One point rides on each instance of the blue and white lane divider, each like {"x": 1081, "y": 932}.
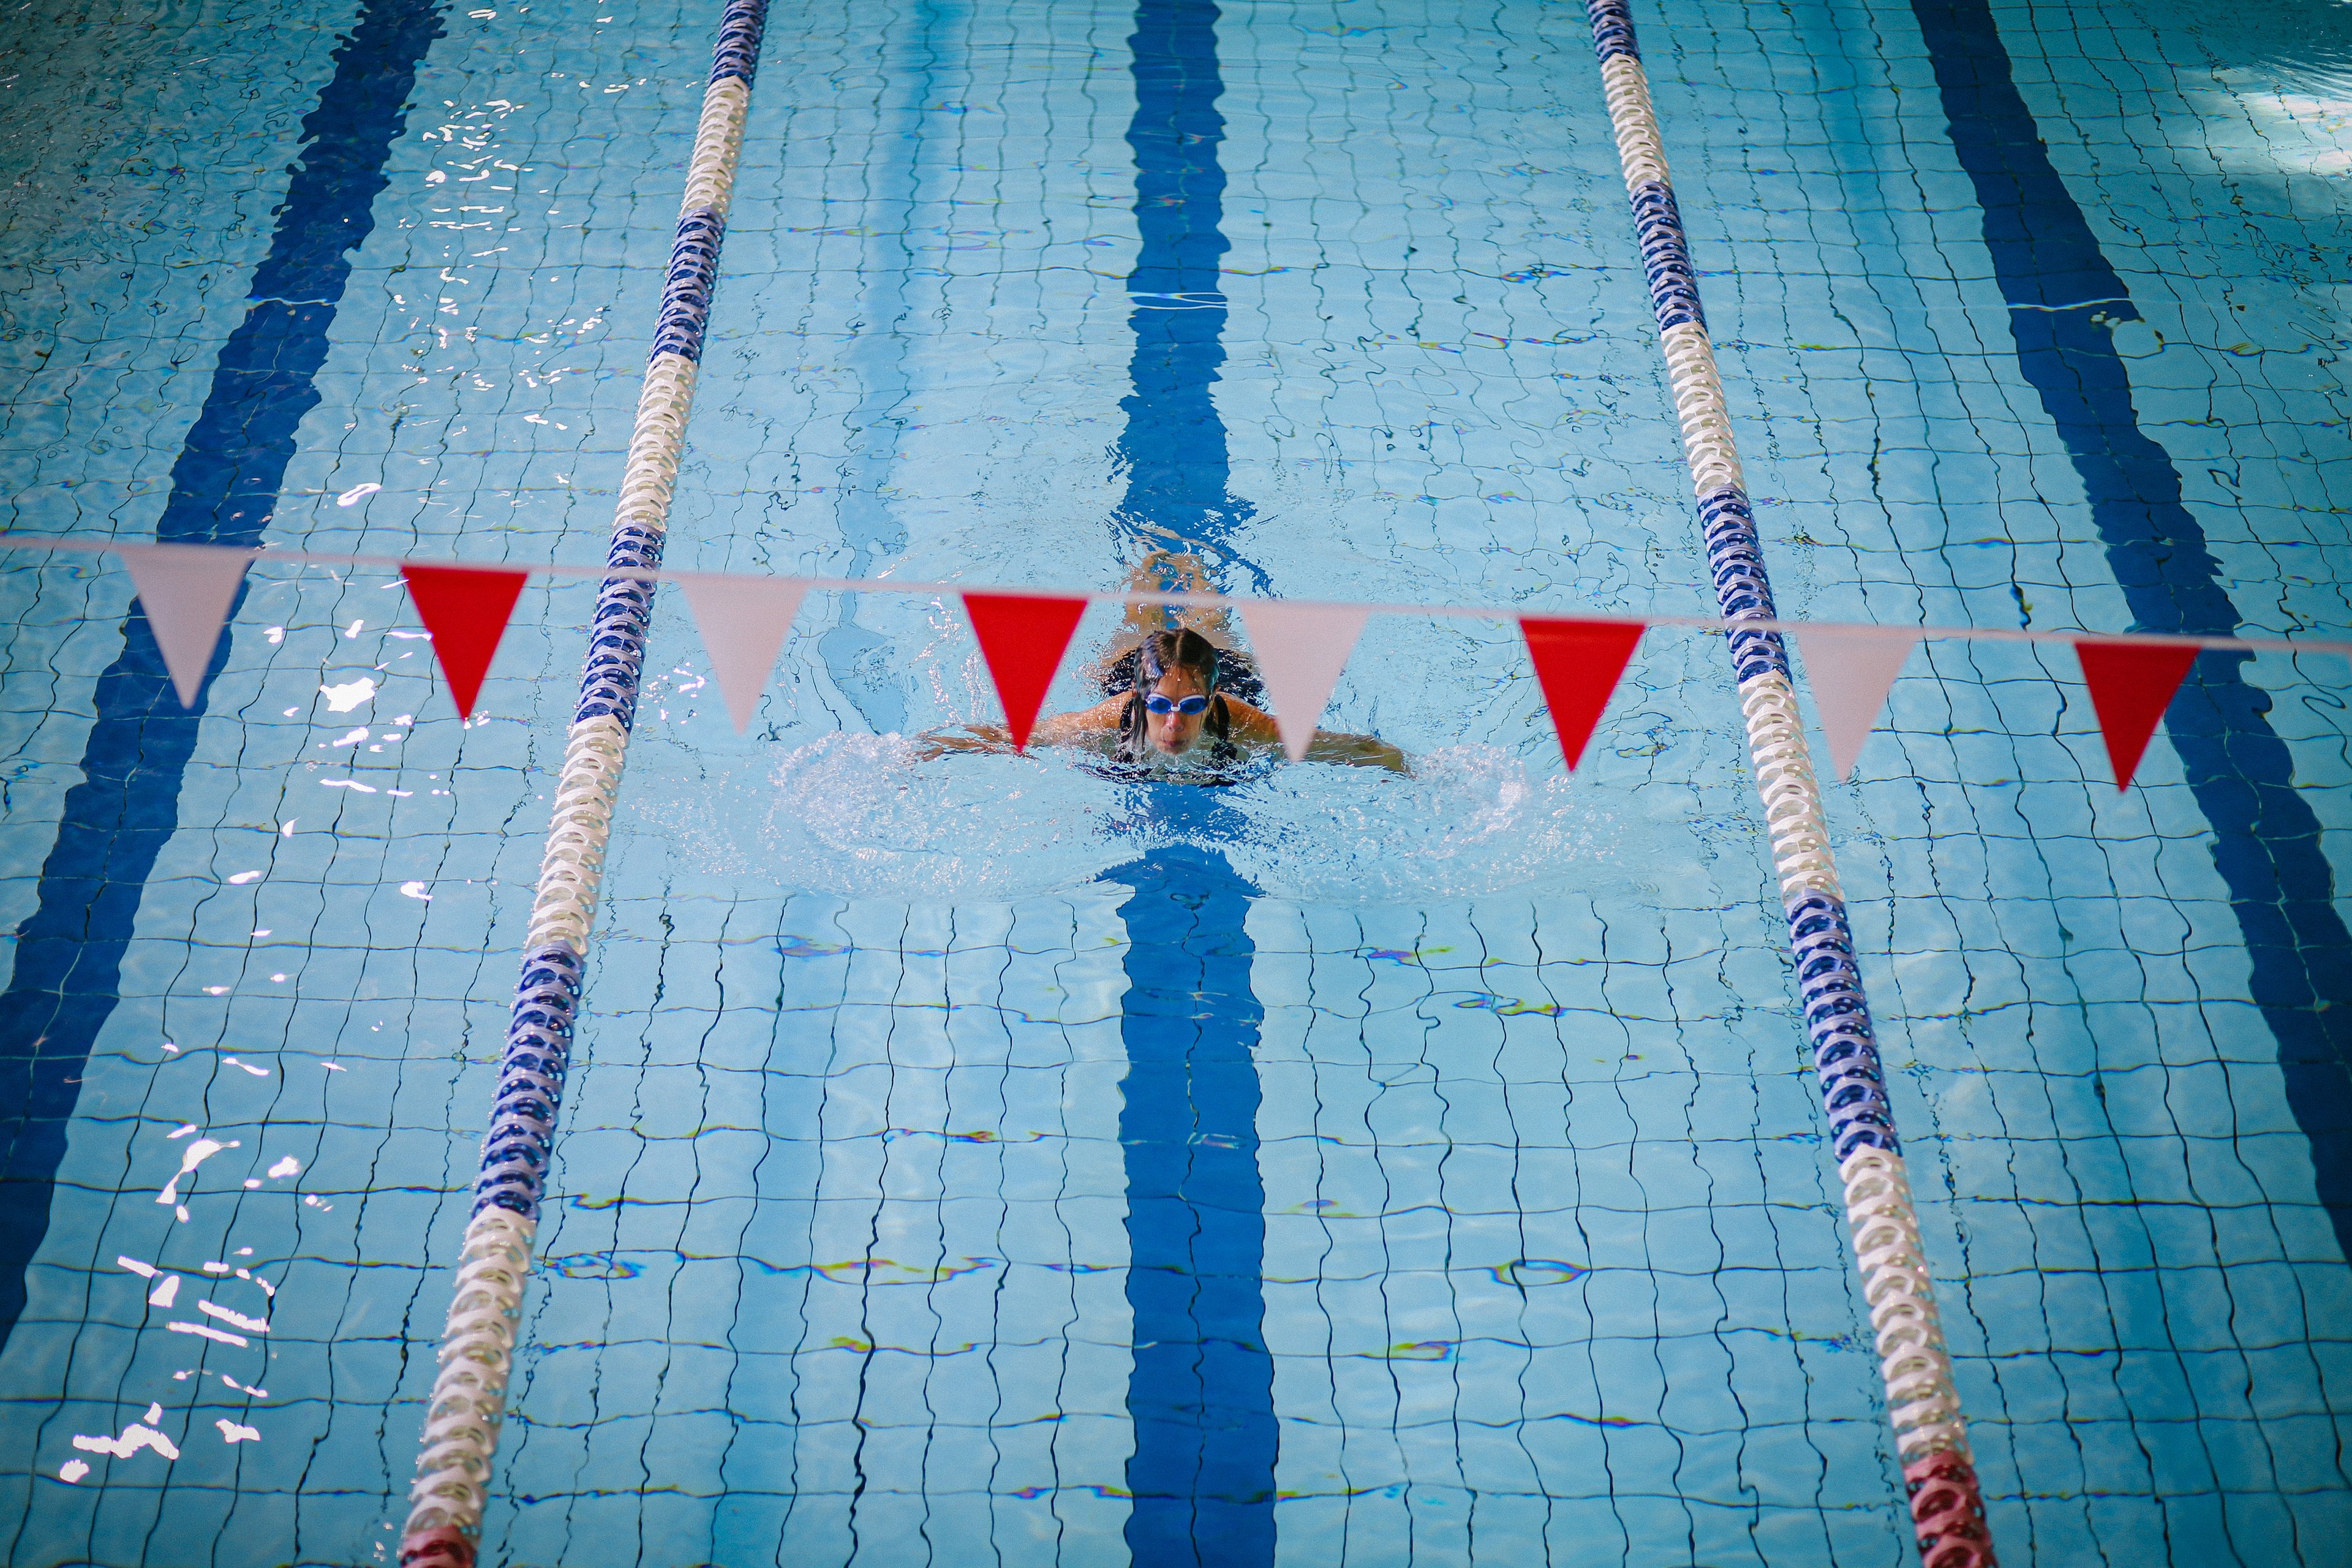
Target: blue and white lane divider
{"x": 468, "y": 1403}
{"x": 1931, "y": 1439}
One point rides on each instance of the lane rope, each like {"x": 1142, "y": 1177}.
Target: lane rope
{"x": 1923, "y": 1406}
{"x": 476, "y": 1357}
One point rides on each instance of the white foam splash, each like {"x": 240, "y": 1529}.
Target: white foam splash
{"x": 1472, "y": 820}
{"x": 855, "y": 814}
{"x": 858, "y": 816}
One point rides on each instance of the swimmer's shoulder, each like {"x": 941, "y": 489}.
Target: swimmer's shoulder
{"x": 1250, "y": 721}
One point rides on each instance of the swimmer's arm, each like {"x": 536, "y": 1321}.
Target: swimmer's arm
{"x": 1361, "y": 751}
{"x": 1061, "y": 730}
{"x": 1256, "y": 726}
{"x": 933, "y": 744}
{"x": 1086, "y": 724}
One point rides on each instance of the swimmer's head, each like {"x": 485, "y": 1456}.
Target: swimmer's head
{"x": 1175, "y": 695}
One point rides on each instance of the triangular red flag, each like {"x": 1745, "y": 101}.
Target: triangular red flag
{"x": 1023, "y": 637}
{"x": 2131, "y": 684}
{"x": 1579, "y": 664}
{"x": 186, "y": 591}
{"x": 466, "y": 608}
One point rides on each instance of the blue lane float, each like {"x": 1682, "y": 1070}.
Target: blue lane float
{"x": 1931, "y": 1440}
{"x": 477, "y": 1355}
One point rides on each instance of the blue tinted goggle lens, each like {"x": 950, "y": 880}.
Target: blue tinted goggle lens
{"x": 1187, "y": 706}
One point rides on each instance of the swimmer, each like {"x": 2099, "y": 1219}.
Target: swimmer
{"x": 1163, "y": 697}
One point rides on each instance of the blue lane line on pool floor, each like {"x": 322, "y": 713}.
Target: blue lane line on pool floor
{"x": 2064, "y": 300}
{"x": 223, "y": 486}
{"x": 1173, "y": 445}
{"x": 1201, "y": 1393}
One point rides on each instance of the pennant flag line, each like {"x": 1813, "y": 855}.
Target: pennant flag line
{"x": 186, "y": 591}
{"x": 2131, "y": 686}
{"x": 743, "y": 622}
{"x": 1850, "y": 671}
{"x": 1578, "y": 664}
{"x": 466, "y": 608}
{"x": 1300, "y": 650}
{"x": 1023, "y": 637}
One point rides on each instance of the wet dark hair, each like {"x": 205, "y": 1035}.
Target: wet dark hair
{"x": 1159, "y": 653}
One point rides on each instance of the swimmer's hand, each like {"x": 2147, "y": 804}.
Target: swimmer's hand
{"x": 1087, "y": 726}
{"x": 933, "y": 744}
{"x": 1254, "y": 726}
{"x": 1358, "y": 750}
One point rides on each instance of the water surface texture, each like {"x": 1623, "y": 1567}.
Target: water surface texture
{"x": 981, "y": 1159}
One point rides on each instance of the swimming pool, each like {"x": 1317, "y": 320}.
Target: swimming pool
{"x": 1522, "y": 1243}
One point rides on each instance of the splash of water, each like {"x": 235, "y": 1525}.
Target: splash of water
{"x": 858, "y": 816}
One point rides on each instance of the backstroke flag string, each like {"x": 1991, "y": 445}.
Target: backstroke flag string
{"x": 188, "y": 590}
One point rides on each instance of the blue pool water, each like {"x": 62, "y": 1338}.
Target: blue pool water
{"x": 979, "y": 1157}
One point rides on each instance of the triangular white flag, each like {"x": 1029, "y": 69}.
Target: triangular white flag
{"x": 1300, "y": 650}
{"x": 1851, "y": 669}
{"x": 186, "y": 590}
{"x": 744, "y": 622}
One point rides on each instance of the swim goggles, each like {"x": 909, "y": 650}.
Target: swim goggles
{"x": 1187, "y": 706}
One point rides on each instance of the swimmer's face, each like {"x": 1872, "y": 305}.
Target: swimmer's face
{"x": 1173, "y": 733}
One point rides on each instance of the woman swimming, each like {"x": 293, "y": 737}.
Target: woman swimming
{"x": 1162, "y": 697}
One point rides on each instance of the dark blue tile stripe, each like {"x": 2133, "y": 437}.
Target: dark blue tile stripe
{"x": 2064, "y": 298}
{"x": 69, "y": 953}
{"x": 1200, "y": 1394}
{"x": 1202, "y": 1391}
{"x": 1174, "y": 443}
